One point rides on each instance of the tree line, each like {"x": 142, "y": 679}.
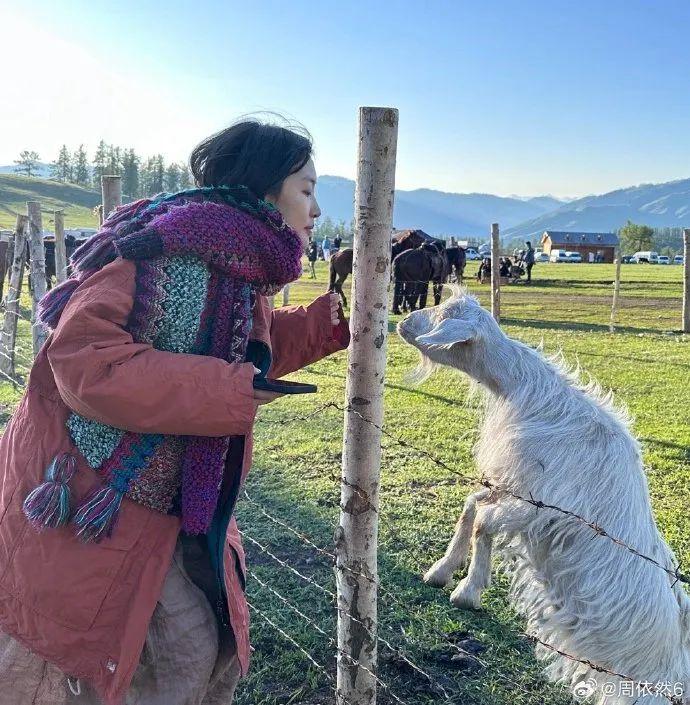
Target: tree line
{"x": 141, "y": 176}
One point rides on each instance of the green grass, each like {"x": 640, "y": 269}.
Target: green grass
{"x": 76, "y": 202}
{"x": 646, "y": 362}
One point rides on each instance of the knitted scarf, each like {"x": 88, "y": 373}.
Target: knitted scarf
{"x": 201, "y": 257}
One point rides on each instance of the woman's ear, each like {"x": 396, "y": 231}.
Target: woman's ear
{"x": 446, "y": 334}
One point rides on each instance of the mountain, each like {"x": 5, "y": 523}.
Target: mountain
{"x": 438, "y": 212}
{"x": 657, "y": 205}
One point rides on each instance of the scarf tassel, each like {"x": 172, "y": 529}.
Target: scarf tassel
{"x": 97, "y": 515}
{"x": 48, "y": 505}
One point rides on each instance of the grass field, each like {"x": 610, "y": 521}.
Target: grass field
{"x": 647, "y": 364}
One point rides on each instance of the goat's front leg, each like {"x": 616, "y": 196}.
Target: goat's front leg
{"x": 501, "y": 517}
{"x": 441, "y": 573}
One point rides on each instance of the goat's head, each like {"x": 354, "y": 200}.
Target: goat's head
{"x": 458, "y": 333}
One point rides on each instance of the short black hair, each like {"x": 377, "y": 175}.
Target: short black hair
{"x": 527, "y": 242}
{"x": 253, "y": 153}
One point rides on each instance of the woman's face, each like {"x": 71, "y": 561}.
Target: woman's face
{"x": 297, "y": 201}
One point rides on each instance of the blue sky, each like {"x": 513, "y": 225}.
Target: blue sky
{"x": 506, "y": 97}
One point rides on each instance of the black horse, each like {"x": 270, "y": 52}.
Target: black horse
{"x": 456, "y": 262}
{"x": 412, "y": 272}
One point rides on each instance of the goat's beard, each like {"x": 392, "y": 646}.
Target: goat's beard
{"x": 424, "y": 369}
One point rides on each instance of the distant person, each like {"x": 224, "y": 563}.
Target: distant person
{"x": 312, "y": 254}
{"x": 337, "y": 241}
{"x": 326, "y": 247}
{"x": 506, "y": 265}
{"x": 528, "y": 261}
{"x": 590, "y": 257}
{"x": 484, "y": 271}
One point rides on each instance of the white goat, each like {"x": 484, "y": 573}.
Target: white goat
{"x": 548, "y": 437}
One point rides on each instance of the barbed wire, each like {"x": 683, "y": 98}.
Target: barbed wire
{"x": 344, "y": 612}
{"x": 331, "y": 641}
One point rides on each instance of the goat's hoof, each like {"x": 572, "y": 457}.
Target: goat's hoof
{"x": 438, "y": 575}
{"x": 466, "y": 597}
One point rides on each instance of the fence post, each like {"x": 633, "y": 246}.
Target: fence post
{"x": 356, "y": 537}
{"x": 9, "y": 255}
{"x": 686, "y": 280}
{"x": 495, "y": 273}
{"x": 9, "y": 328}
{"x": 38, "y": 271}
{"x": 286, "y": 295}
{"x": 616, "y": 290}
{"x": 111, "y": 190}
{"x": 60, "y": 248}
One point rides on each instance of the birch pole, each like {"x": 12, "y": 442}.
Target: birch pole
{"x": 495, "y": 273}
{"x": 686, "y": 280}
{"x": 9, "y": 328}
{"x": 286, "y": 295}
{"x": 60, "y": 248}
{"x": 356, "y": 537}
{"x": 111, "y": 191}
{"x": 38, "y": 271}
{"x": 616, "y": 290}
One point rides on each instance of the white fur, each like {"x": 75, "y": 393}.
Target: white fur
{"x": 548, "y": 436}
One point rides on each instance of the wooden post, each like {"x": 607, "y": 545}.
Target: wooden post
{"x": 10, "y": 254}
{"x": 60, "y": 248}
{"x": 38, "y": 271}
{"x": 111, "y": 190}
{"x": 616, "y": 290}
{"x": 686, "y": 280}
{"x": 9, "y": 328}
{"x": 286, "y": 295}
{"x": 356, "y": 537}
{"x": 495, "y": 273}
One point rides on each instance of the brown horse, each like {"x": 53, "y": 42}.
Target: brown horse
{"x": 341, "y": 262}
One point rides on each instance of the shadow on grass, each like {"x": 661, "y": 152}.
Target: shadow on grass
{"x": 684, "y": 449}
{"x": 415, "y": 619}
{"x": 632, "y": 358}
{"x": 391, "y": 385}
{"x": 573, "y": 325}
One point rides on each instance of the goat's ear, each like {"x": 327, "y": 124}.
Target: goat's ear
{"x": 447, "y": 333}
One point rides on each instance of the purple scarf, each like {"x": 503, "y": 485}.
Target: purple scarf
{"x": 247, "y": 249}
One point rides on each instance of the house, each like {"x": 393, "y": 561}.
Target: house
{"x": 601, "y": 246}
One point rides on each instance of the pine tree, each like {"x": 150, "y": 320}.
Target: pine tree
{"x": 100, "y": 164}
{"x": 27, "y": 163}
{"x": 61, "y": 168}
{"x": 114, "y": 165}
{"x": 80, "y": 164}
{"x": 130, "y": 173}
{"x": 157, "y": 175}
{"x": 172, "y": 178}
{"x": 185, "y": 178}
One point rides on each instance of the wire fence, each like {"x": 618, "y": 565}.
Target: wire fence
{"x": 404, "y": 651}
{"x": 400, "y": 646}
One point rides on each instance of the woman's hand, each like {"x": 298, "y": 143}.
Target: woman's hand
{"x": 262, "y": 396}
{"x": 335, "y": 306}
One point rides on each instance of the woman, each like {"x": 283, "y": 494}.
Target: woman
{"x": 122, "y": 567}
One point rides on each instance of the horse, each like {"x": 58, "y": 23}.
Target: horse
{"x": 456, "y": 262}
{"x": 340, "y": 265}
{"x": 412, "y": 272}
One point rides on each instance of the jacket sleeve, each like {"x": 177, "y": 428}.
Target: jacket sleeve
{"x": 101, "y": 373}
{"x": 301, "y": 335}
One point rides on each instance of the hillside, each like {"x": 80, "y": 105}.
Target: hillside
{"x": 437, "y": 212}
{"x": 77, "y": 202}
{"x": 657, "y": 205}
